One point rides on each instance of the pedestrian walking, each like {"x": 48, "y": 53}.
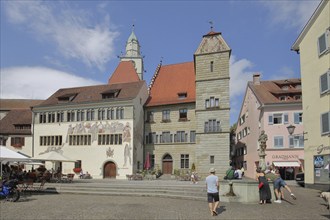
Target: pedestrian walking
{"x": 212, "y": 186}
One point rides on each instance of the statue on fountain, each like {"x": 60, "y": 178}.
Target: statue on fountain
{"x": 262, "y": 143}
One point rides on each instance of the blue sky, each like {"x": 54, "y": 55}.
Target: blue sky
{"x": 48, "y": 45}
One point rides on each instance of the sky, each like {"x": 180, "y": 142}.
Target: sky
{"x": 49, "y": 45}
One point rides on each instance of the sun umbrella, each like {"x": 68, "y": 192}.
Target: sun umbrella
{"x": 147, "y": 162}
{"x": 54, "y": 157}
{"x": 7, "y": 155}
{"x": 10, "y": 155}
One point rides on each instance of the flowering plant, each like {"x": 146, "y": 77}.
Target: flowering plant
{"x": 77, "y": 169}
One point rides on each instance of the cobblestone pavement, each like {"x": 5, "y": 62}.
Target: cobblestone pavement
{"x": 71, "y": 206}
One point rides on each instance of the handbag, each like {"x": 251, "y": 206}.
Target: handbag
{"x": 261, "y": 184}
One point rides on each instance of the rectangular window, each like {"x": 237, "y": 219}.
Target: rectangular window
{"x": 325, "y": 82}
{"x": 166, "y": 116}
{"x": 192, "y": 136}
{"x": 212, "y": 101}
{"x": 277, "y": 118}
{"x": 180, "y": 136}
{"x": 78, "y": 116}
{"x": 211, "y": 66}
{"x": 211, "y": 159}
{"x": 296, "y": 141}
{"x": 88, "y": 116}
{"x": 184, "y": 161}
{"x": 166, "y": 137}
{"x": 297, "y": 117}
{"x": 207, "y": 103}
{"x": 17, "y": 142}
{"x": 322, "y": 44}
{"x": 83, "y": 115}
{"x": 150, "y": 116}
{"x": 325, "y": 123}
{"x": 182, "y": 95}
{"x": 183, "y": 114}
{"x": 278, "y": 141}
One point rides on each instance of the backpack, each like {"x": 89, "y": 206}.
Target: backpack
{"x": 230, "y": 174}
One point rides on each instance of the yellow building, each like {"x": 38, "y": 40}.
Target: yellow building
{"x": 313, "y": 45}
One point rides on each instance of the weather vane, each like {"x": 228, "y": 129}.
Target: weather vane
{"x": 211, "y": 23}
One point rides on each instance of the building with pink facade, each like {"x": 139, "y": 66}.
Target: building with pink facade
{"x": 271, "y": 106}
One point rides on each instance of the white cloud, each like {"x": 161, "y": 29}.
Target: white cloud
{"x": 37, "y": 82}
{"x": 291, "y": 13}
{"x": 72, "y": 31}
{"x": 239, "y": 76}
{"x": 284, "y": 73}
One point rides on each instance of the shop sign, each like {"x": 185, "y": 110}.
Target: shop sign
{"x": 321, "y": 148}
{"x": 285, "y": 156}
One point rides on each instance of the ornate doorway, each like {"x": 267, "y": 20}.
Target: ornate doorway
{"x": 110, "y": 170}
{"x": 167, "y": 164}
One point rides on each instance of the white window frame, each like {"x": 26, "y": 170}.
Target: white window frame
{"x": 278, "y": 138}
{"x": 296, "y": 141}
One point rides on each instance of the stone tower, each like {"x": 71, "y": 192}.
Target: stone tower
{"x": 133, "y": 53}
{"x": 212, "y": 104}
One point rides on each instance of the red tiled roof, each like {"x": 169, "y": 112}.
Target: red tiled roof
{"x": 124, "y": 73}
{"x": 268, "y": 92}
{"x": 8, "y": 104}
{"x": 16, "y": 117}
{"x": 170, "y": 81}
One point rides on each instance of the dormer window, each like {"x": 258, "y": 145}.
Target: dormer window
{"x": 282, "y": 98}
{"x": 110, "y": 94}
{"x": 298, "y": 86}
{"x": 285, "y": 88}
{"x": 67, "y": 97}
{"x": 297, "y": 97}
{"x": 182, "y": 95}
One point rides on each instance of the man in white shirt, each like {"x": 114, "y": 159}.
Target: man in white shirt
{"x": 212, "y": 186}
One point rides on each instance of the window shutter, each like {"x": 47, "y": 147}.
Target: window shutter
{"x": 286, "y": 118}
{"x": 270, "y": 119}
{"x": 296, "y": 118}
{"x": 325, "y": 123}
{"x": 322, "y": 44}
{"x": 324, "y": 82}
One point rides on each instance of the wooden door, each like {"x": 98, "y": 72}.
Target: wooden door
{"x": 167, "y": 167}
{"x": 167, "y": 164}
{"x": 110, "y": 170}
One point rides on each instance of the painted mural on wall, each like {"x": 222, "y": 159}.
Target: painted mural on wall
{"x": 105, "y": 128}
{"x": 100, "y": 128}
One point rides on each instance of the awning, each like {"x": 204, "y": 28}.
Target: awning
{"x": 286, "y": 164}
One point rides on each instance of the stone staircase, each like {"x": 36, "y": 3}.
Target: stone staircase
{"x": 153, "y": 188}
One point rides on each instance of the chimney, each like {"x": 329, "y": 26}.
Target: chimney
{"x": 256, "y": 79}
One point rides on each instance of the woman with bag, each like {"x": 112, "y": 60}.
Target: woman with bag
{"x": 265, "y": 194}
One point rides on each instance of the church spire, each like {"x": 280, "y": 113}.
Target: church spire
{"x": 133, "y": 53}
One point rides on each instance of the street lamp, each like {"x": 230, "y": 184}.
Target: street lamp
{"x": 291, "y": 129}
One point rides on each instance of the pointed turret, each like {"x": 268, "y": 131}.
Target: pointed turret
{"x": 133, "y": 54}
